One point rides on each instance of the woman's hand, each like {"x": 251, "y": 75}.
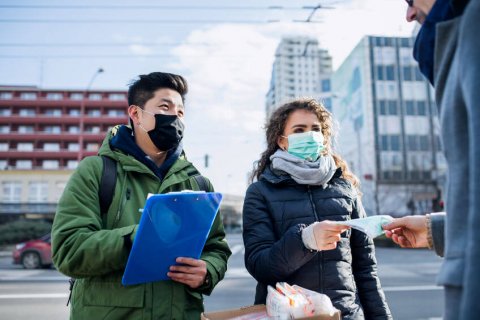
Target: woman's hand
{"x": 322, "y": 235}
{"x": 327, "y": 234}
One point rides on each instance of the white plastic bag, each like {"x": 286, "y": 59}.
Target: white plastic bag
{"x": 277, "y": 304}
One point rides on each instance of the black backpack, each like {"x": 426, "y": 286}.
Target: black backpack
{"x": 107, "y": 190}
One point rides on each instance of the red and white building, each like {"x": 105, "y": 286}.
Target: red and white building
{"x": 43, "y": 135}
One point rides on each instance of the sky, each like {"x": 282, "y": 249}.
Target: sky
{"x": 225, "y": 50}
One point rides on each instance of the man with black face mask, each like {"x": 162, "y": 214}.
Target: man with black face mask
{"x": 94, "y": 247}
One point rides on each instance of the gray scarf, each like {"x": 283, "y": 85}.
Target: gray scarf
{"x": 316, "y": 173}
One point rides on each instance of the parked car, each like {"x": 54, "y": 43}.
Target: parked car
{"x": 34, "y": 254}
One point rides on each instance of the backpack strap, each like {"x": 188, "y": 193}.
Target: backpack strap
{"x": 202, "y": 182}
{"x": 107, "y": 183}
{"x": 105, "y": 195}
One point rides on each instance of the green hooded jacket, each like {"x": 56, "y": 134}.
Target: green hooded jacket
{"x": 91, "y": 247}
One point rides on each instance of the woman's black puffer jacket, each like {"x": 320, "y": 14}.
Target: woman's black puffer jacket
{"x": 276, "y": 209}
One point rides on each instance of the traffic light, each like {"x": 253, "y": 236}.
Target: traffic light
{"x": 206, "y": 160}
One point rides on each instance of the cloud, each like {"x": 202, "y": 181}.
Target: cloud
{"x": 229, "y": 69}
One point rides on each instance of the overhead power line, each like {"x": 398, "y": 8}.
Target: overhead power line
{"x": 135, "y": 21}
{"x": 103, "y": 44}
{"x": 150, "y": 7}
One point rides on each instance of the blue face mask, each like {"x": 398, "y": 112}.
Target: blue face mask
{"x": 306, "y": 145}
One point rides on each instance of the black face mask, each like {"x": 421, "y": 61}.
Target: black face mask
{"x": 168, "y": 132}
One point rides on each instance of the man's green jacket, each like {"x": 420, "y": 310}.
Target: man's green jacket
{"x": 91, "y": 247}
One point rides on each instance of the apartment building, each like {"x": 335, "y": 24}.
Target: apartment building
{"x": 43, "y": 136}
{"x": 388, "y": 127}
{"x": 301, "y": 69}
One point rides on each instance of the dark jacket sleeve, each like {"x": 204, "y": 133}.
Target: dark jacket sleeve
{"x": 438, "y": 232}
{"x": 270, "y": 257}
{"x": 364, "y": 267}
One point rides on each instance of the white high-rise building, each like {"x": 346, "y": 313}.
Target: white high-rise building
{"x": 301, "y": 69}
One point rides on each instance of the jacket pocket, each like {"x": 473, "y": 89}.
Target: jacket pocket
{"x": 112, "y": 294}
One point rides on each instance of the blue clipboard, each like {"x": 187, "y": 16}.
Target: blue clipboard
{"x": 172, "y": 225}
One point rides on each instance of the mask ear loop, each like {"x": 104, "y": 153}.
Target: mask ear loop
{"x": 140, "y": 125}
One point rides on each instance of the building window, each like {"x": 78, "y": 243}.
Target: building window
{"x": 92, "y": 129}
{"x": 3, "y": 146}
{"x": 6, "y": 95}
{"x": 418, "y": 75}
{"x": 412, "y": 144}
{"x": 410, "y": 107}
{"x": 73, "y": 129}
{"x": 52, "y": 129}
{"x": 54, "y": 96}
{"x": 326, "y": 85}
{"x": 26, "y": 112}
{"x": 392, "y": 107}
{"x": 407, "y": 73}
{"x": 405, "y": 42}
{"x": 387, "y": 107}
{"x": 11, "y": 191}
{"x": 3, "y": 164}
{"x": 50, "y": 164}
{"x": 72, "y": 164}
{"x": 423, "y": 143}
{"x": 421, "y": 108}
{"x": 53, "y": 112}
{"x": 92, "y": 147}
{"x": 25, "y": 146}
{"x": 415, "y": 108}
{"x": 94, "y": 113}
{"x": 4, "y": 129}
{"x": 5, "y": 112}
{"x": 390, "y": 142}
{"x": 95, "y": 96}
{"x": 23, "y": 164}
{"x": 25, "y": 129}
{"x": 380, "y": 75}
{"x": 28, "y": 96}
{"x": 73, "y": 147}
{"x": 116, "y": 96}
{"x": 438, "y": 143}
{"x": 390, "y": 73}
{"x": 74, "y": 112}
{"x": 328, "y": 103}
{"x": 51, "y": 147}
{"x": 59, "y": 188}
{"x": 76, "y": 96}
{"x": 116, "y": 113}
{"x": 395, "y": 142}
{"x": 38, "y": 191}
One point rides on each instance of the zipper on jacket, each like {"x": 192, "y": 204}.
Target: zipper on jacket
{"x": 312, "y": 203}
{"x": 314, "y": 208}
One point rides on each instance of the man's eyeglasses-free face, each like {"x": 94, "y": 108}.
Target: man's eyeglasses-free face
{"x": 410, "y": 3}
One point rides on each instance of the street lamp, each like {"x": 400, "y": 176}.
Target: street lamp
{"x": 82, "y": 112}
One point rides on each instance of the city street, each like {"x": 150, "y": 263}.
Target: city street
{"x": 408, "y": 278}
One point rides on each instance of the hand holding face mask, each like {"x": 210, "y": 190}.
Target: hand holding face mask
{"x": 372, "y": 226}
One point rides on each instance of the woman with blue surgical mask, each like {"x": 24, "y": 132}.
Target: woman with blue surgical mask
{"x": 302, "y": 187}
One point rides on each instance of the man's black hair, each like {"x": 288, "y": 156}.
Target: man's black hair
{"x": 142, "y": 89}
